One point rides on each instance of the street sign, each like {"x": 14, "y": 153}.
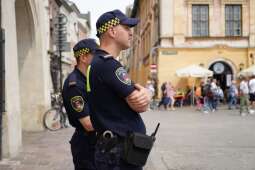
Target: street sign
{"x": 65, "y": 47}
{"x": 60, "y": 23}
{"x": 153, "y": 68}
{"x": 168, "y": 52}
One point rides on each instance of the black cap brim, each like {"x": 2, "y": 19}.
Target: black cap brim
{"x": 131, "y": 22}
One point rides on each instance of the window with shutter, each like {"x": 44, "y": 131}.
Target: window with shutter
{"x": 233, "y": 20}
{"x": 200, "y": 20}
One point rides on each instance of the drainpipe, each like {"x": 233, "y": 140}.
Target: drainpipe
{"x": 2, "y": 79}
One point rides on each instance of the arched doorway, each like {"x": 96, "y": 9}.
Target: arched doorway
{"x": 222, "y": 72}
{"x": 28, "y": 64}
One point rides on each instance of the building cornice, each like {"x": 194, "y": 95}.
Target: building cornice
{"x": 243, "y": 2}
{"x": 199, "y": 2}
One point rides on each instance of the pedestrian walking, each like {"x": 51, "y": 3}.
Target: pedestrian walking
{"x": 164, "y": 99}
{"x": 252, "y": 92}
{"x": 214, "y": 98}
{"x": 150, "y": 87}
{"x": 115, "y": 101}
{"x": 170, "y": 93}
{"x": 244, "y": 96}
{"x": 199, "y": 97}
{"x": 208, "y": 96}
{"x": 232, "y": 95}
{"x": 76, "y": 105}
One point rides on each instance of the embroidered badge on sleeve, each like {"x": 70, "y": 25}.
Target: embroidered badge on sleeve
{"x": 77, "y": 103}
{"x": 122, "y": 75}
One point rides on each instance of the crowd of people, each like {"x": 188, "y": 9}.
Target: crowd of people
{"x": 168, "y": 92}
{"x": 208, "y": 95}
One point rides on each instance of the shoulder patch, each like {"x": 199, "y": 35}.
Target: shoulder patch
{"x": 77, "y": 103}
{"x": 122, "y": 75}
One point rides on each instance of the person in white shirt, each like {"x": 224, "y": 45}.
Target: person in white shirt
{"x": 244, "y": 96}
{"x": 232, "y": 95}
{"x": 214, "y": 97}
{"x": 150, "y": 87}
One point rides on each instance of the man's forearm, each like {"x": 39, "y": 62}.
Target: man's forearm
{"x": 138, "y": 108}
{"x": 86, "y": 123}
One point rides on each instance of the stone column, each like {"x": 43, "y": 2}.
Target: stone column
{"x": 179, "y": 22}
{"x": 252, "y": 24}
{"x": 166, "y": 22}
{"x": 12, "y": 133}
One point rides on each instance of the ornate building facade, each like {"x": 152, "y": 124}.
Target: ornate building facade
{"x": 28, "y": 47}
{"x": 216, "y": 34}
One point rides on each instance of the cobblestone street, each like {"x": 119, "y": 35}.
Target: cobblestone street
{"x": 187, "y": 140}
{"x": 41, "y": 151}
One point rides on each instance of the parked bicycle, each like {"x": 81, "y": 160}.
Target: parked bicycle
{"x": 55, "y": 118}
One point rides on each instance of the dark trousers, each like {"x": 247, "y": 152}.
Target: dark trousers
{"x": 164, "y": 101}
{"x": 232, "y": 101}
{"x": 83, "y": 150}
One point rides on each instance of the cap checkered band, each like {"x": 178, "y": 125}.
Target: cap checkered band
{"x": 81, "y": 52}
{"x": 108, "y": 24}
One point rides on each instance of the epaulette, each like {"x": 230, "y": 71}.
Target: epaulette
{"x": 107, "y": 56}
{"x": 72, "y": 83}
{"x": 72, "y": 80}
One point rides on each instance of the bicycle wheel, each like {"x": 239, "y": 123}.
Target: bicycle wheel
{"x": 63, "y": 118}
{"x": 52, "y": 119}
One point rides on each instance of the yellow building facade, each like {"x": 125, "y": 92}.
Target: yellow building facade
{"x": 216, "y": 34}
{"x": 146, "y": 35}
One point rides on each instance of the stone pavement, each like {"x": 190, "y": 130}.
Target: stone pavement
{"x": 191, "y": 140}
{"x": 187, "y": 140}
{"x": 42, "y": 151}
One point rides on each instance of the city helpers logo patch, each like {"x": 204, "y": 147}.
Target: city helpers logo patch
{"x": 122, "y": 75}
{"x": 77, "y": 103}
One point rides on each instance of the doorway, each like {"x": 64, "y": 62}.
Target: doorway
{"x": 223, "y": 73}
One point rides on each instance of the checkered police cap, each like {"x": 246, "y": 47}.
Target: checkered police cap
{"x": 84, "y": 46}
{"x": 113, "y": 18}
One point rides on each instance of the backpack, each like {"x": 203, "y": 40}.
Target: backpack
{"x": 207, "y": 91}
{"x": 163, "y": 87}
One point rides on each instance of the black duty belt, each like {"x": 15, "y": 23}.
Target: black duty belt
{"x": 108, "y": 134}
{"x": 85, "y": 133}
{"x": 108, "y": 140}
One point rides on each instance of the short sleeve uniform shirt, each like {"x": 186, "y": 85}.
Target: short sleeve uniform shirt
{"x": 75, "y": 98}
{"x": 110, "y": 85}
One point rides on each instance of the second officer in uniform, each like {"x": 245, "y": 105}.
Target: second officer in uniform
{"x": 75, "y": 102}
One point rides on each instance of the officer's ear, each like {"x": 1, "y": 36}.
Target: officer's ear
{"x": 82, "y": 58}
{"x": 85, "y": 58}
{"x": 112, "y": 32}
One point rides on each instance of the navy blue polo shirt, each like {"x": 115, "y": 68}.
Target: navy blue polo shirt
{"x": 110, "y": 85}
{"x": 75, "y": 98}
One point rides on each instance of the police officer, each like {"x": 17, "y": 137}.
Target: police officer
{"x": 115, "y": 101}
{"x": 76, "y": 105}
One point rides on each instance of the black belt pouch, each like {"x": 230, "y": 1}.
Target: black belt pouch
{"x": 137, "y": 147}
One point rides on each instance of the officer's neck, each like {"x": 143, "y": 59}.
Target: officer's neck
{"x": 83, "y": 68}
{"x": 111, "y": 49}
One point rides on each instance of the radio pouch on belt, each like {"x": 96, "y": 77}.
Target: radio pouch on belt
{"x": 137, "y": 147}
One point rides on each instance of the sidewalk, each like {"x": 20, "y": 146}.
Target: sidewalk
{"x": 186, "y": 140}
{"x": 45, "y": 151}
{"x": 42, "y": 151}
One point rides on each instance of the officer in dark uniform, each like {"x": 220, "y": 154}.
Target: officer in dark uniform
{"x": 115, "y": 101}
{"x": 76, "y": 104}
